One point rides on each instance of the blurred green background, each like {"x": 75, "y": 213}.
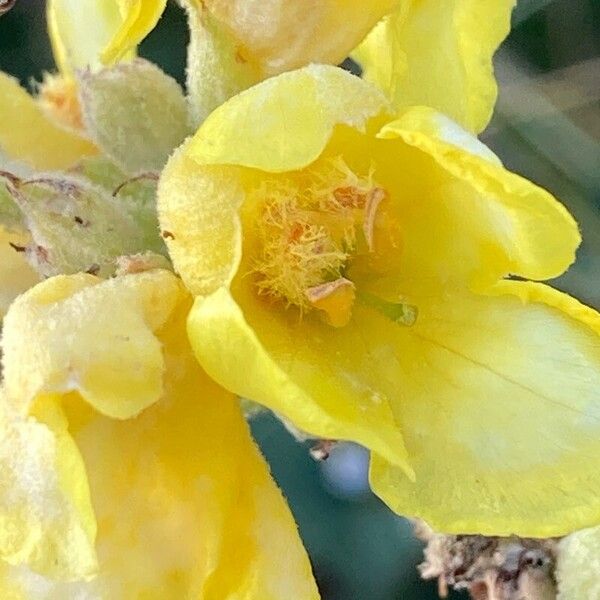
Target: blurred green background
{"x": 547, "y": 128}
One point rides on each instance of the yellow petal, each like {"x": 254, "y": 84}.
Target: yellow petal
{"x": 139, "y": 19}
{"x": 329, "y": 382}
{"x": 439, "y": 54}
{"x": 284, "y": 123}
{"x": 46, "y": 518}
{"x": 26, "y": 133}
{"x": 16, "y": 275}
{"x": 282, "y": 35}
{"x": 114, "y": 361}
{"x": 80, "y": 30}
{"x": 184, "y": 502}
{"x": 463, "y": 214}
{"x": 498, "y": 396}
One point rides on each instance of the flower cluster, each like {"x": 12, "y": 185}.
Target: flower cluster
{"x": 343, "y": 251}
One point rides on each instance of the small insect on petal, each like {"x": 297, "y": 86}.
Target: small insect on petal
{"x": 6, "y": 5}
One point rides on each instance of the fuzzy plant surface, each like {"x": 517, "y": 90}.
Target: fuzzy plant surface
{"x": 283, "y": 235}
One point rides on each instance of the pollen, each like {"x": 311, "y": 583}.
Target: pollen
{"x": 309, "y": 230}
{"x": 298, "y": 253}
{"x": 58, "y": 97}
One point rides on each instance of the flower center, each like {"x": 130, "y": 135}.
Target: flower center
{"x": 318, "y": 234}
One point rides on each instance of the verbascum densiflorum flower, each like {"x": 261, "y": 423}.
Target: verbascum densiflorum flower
{"x": 127, "y": 472}
{"x": 350, "y": 266}
{"x": 439, "y": 54}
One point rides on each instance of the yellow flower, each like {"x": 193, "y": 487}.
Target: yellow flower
{"x": 349, "y": 267}
{"x": 439, "y": 54}
{"x": 126, "y": 472}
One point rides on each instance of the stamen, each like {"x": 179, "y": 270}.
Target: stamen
{"x": 373, "y": 201}
{"x": 335, "y": 299}
{"x": 314, "y": 230}
{"x": 297, "y": 253}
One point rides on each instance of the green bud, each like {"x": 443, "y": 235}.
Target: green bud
{"x": 136, "y": 195}
{"x": 74, "y": 225}
{"x": 100, "y": 170}
{"x": 135, "y": 114}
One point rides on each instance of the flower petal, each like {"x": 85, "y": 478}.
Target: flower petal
{"x": 80, "y": 29}
{"x": 282, "y": 35}
{"x": 464, "y": 214}
{"x": 197, "y": 512}
{"x": 46, "y": 517}
{"x": 204, "y": 261}
{"x": 184, "y": 502}
{"x": 285, "y": 122}
{"x": 16, "y": 275}
{"x": 324, "y": 380}
{"x": 28, "y": 135}
{"x": 498, "y": 396}
{"x": 139, "y": 19}
{"x": 114, "y": 361}
{"x": 439, "y": 54}
{"x": 185, "y": 507}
